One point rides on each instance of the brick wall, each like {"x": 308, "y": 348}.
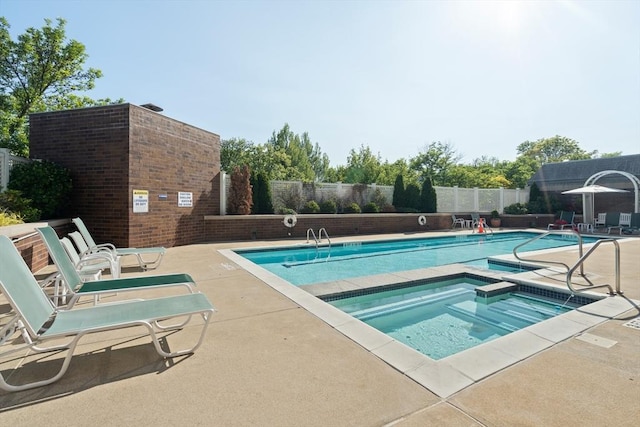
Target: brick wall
{"x": 113, "y": 150}
{"x": 29, "y": 243}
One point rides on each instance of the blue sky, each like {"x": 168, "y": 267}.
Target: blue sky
{"x": 483, "y": 76}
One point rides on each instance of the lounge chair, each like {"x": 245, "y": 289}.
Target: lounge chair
{"x": 624, "y": 221}
{"x": 634, "y": 224}
{"x": 75, "y": 288}
{"x": 565, "y": 220}
{"x": 89, "y": 264}
{"x": 457, "y": 221}
{"x": 39, "y": 321}
{"x": 92, "y": 247}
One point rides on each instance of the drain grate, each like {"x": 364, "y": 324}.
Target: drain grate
{"x": 635, "y": 324}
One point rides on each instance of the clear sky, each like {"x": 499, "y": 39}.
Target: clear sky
{"x": 483, "y": 76}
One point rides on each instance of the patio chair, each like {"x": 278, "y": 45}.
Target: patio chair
{"x": 634, "y": 224}
{"x": 475, "y": 219}
{"x": 88, "y": 264}
{"x": 92, "y": 247}
{"x": 601, "y": 220}
{"x": 624, "y": 220}
{"x": 565, "y": 220}
{"x": 457, "y": 221}
{"x": 39, "y": 321}
{"x": 75, "y": 288}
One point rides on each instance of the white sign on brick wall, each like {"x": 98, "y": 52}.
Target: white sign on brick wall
{"x": 185, "y": 199}
{"x": 140, "y": 201}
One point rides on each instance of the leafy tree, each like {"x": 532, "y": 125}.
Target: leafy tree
{"x": 240, "y": 199}
{"x": 41, "y": 71}
{"x": 428, "y": 197}
{"x": 551, "y": 150}
{"x": 261, "y": 192}
{"x": 299, "y": 159}
{"x": 435, "y": 162}
{"x": 363, "y": 167}
{"x": 399, "y": 199}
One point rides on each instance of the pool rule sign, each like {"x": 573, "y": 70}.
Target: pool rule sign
{"x": 140, "y": 201}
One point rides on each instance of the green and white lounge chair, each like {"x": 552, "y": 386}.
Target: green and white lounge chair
{"x": 39, "y": 321}
{"x": 89, "y": 264}
{"x": 76, "y": 288}
{"x": 92, "y": 247}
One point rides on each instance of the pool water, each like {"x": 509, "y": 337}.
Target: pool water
{"x": 444, "y": 318}
{"x": 310, "y": 264}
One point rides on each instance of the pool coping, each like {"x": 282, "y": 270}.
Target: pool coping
{"x": 454, "y": 373}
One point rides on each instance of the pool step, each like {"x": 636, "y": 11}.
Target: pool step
{"x": 423, "y": 300}
{"x": 480, "y": 313}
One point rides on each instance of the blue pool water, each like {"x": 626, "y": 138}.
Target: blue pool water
{"x": 444, "y": 318}
{"x": 303, "y": 265}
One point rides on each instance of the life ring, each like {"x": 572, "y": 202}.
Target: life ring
{"x": 290, "y": 220}
{"x": 422, "y": 220}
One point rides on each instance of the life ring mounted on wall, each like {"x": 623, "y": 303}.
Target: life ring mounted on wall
{"x": 290, "y": 221}
{"x": 422, "y": 220}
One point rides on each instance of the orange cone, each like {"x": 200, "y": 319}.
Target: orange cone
{"x": 480, "y": 225}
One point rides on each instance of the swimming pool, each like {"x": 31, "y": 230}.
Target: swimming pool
{"x": 442, "y": 318}
{"x": 304, "y": 265}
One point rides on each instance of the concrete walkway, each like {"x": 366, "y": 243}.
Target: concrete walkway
{"x": 266, "y": 361}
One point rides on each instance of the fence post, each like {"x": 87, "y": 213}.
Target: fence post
{"x": 4, "y": 168}
{"x": 455, "y": 198}
{"x": 223, "y": 193}
{"x": 501, "y": 199}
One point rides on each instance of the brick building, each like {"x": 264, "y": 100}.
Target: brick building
{"x": 119, "y": 153}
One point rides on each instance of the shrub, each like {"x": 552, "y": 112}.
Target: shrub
{"x": 311, "y": 207}
{"x": 379, "y": 198}
{"x": 291, "y": 199}
{"x": 370, "y": 207}
{"x": 12, "y": 202}
{"x": 516, "y": 209}
{"x": 399, "y": 199}
{"x": 261, "y": 192}
{"x": 352, "y": 207}
{"x": 240, "y": 197}
{"x": 45, "y": 183}
{"x": 412, "y": 197}
{"x": 328, "y": 206}
{"x": 428, "y": 197}
{"x": 9, "y": 218}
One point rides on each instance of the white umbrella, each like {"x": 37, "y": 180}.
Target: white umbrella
{"x": 590, "y": 190}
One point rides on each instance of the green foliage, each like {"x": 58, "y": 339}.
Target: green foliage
{"x": 428, "y": 197}
{"x": 412, "y": 195}
{"x": 352, "y": 208}
{"x": 12, "y": 203}
{"x": 39, "y": 72}
{"x": 47, "y": 184}
{"x": 378, "y": 198}
{"x": 363, "y": 167}
{"x": 328, "y": 207}
{"x": 290, "y": 199}
{"x": 399, "y": 199}
{"x": 435, "y": 162}
{"x": 495, "y": 214}
{"x": 240, "y": 196}
{"x": 9, "y": 218}
{"x": 311, "y": 207}
{"x": 554, "y": 149}
{"x": 516, "y": 209}
{"x": 370, "y": 207}
{"x": 261, "y": 195}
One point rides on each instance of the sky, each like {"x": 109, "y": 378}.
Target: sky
{"x": 394, "y": 76}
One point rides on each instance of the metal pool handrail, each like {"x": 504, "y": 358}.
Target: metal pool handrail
{"x": 579, "y": 263}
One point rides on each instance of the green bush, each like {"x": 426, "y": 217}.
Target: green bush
{"x": 328, "y": 207}
{"x": 311, "y": 207}
{"x": 370, "y": 207}
{"x": 45, "y": 183}
{"x": 9, "y": 218}
{"x": 261, "y": 194}
{"x": 12, "y": 202}
{"x": 352, "y": 208}
{"x": 516, "y": 209}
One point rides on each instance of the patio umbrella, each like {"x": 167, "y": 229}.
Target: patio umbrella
{"x": 590, "y": 191}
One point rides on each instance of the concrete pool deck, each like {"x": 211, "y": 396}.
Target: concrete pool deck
{"x": 268, "y": 361}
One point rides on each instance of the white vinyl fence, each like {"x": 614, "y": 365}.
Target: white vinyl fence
{"x": 450, "y": 199}
{"x": 6, "y": 163}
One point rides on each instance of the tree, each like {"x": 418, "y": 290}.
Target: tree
{"x": 551, "y": 150}
{"x": 435, "y": 162}
{"x": 240, "y": 199}
{"x": 363, "y": 167}
{"x": 41, "y": 71}
{"x": 399, "y": 199}
{"x": 428, "y": 197}
{"x": 298, "y": 157}
{"x": 261, "y": 194}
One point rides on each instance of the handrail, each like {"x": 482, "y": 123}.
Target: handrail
{"x": 579, "y": 263}
{"x": 325, "y": 234}
{"x": 310, "y": 230}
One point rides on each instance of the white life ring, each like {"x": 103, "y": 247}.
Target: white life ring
{"x": 290, "y": 221}
{"x": 422, "y": 220}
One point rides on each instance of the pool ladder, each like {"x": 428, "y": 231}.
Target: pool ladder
{"x": 580, "y": 263}
{"x": 318, "y": 239}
